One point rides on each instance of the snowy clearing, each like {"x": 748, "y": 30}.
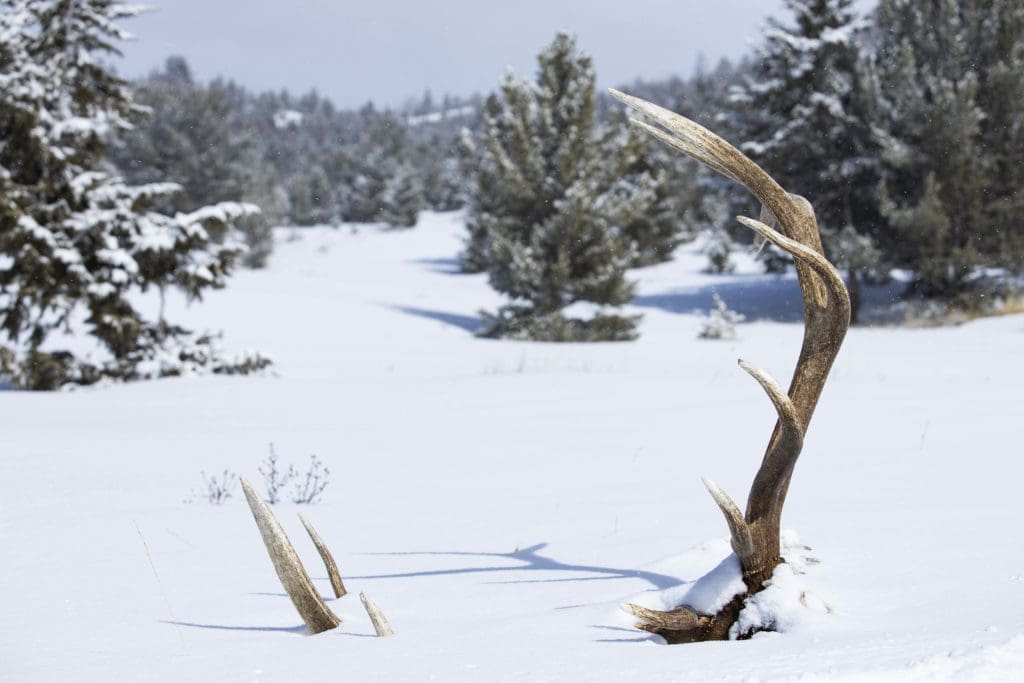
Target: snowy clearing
{"x": 499, "y": 500}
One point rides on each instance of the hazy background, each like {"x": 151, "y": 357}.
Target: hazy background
{"x": 389, "y": 50}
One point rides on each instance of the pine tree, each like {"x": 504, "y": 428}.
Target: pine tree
{"x": 76, "y": 240}
{"x": 542, "y": 219}
{"x": 402, "y": 197}
{"x": 376, "y": 161}
{"x": 312, "y": 197}
{"x": 999, "y": 36}
{"x": 948, "y": 72}
{"x": 646, "y": 192}
{"x": 714, "y": 218}
{"x": 805, "y": 115}
{"x": 188, "y": 138}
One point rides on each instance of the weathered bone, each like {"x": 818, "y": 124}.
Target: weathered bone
{"x": 680, "y": 618}
{"x": 783, "y": 406}
{"x": 833, "y": 281}
{"x": 292, "y": 574}
{"x": 755, "y": 535}
{"x": 380, "y": 624}
{"x": 739, "y": 531}
{"x": 325, "y": 555}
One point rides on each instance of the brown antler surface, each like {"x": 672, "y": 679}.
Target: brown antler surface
{"x": 756, "y": 534}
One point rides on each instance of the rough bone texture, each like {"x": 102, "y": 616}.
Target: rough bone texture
{"x": 380, "y": 623}
{"x": 325, "y": 555}
{"x": 755, "y": 536}
{"x": 296, "y": 582}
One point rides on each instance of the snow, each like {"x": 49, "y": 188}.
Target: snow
{"x": 500, "y": 500}
{"x": 440, "y": 115}
{"x": 287, "y": 118}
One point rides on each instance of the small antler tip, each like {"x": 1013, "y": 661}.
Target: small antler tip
{"x": 628, "y": 100}
{"x": 247, "y": 488}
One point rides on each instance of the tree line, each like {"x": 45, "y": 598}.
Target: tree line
{"x": 905, "y": 128}
{"x": 902, "y": 127}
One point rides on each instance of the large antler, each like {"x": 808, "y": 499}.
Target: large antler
{"x": 308, "y": 602}
{"x": 755, "y": 535}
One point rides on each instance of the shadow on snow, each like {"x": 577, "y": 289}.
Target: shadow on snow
{"x": 468, "y": 323}
{"x": 759, "y": 297}
{"x": 530, "y": 560}
{"x": 444, "y": 266}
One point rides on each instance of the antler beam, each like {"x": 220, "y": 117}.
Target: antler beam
{"x": 755, "y": 535}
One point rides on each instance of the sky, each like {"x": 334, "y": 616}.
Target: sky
{"x": 389, "y": 51}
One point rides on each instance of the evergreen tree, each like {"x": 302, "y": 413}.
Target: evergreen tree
{"x": 376, "y": 161}
{"x": 805, "y": 115}
{"x": 936, "y": 168}
{"x": 74, "y": 239}
{"x": 312, "y": 198}
{"x": 402, "y": 197}
{"x": 715, "y": 217}
{"x": 1000, "y": 36}
{"x": 949, "y": 94}
{"x": 542, "y": 216}
{"x": 646, "y": 192}
{"x": 188, "y": 138}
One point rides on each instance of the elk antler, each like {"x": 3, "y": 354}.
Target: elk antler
{"x": 325, "y": 554}
{"x": 380, "y": 623}
{"x": 755, "y": 535}
{"x": 311, "y": 607}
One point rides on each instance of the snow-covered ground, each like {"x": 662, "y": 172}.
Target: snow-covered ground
{"x": 500, "y": 500}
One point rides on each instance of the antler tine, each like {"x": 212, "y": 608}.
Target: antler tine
{"x": 739, "y": 530}
{"x": 779, "y": 398}
{"x": 652, "y": 620}
{"x": 774, "y": 473}
{"x": 380, "y": 623}
{"x": 296, "y": 582}
{"x": 831, "y": 278}
{"x": 325, "y": 554}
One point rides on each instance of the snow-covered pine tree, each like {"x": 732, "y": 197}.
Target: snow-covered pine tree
{"x": 713, "y": 215}
{"x": 402, "y": 197}
{"x": 540, "y": 218}
{"x": 376, "y": 161}
{"x": 479, "y": 166}
{"x": 312, "y": 197}
{"x": 188, "y": 138}
{"x": 75, "y": 240}
{"x": 721, "y": 321}
{"x": 805, "y": 116}
{"x": 448, "y": 191}
{"x": 646, "y": 191}
{"x": 1001, "y": 47}
{"x": 949, "y": 110}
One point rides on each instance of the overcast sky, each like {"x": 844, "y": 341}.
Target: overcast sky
{"x": 390, "y": 50}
